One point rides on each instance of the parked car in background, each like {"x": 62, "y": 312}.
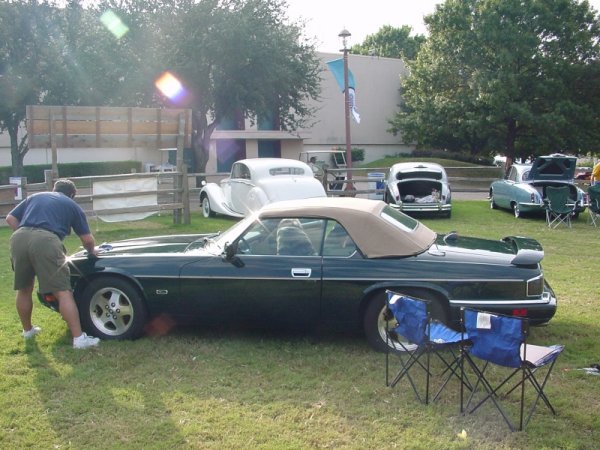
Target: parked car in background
{"x": 256, "y": 182}
{"x": 499, "y": 160}
{"x": 583, "y": 173}
{"x": 523, "y": 190}
{"x": 321, "y": 160}
{"x": 419, "y": 188}
{"x": 323, "y": 262}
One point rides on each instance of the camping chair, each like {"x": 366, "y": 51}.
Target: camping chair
{"x": 559, "y": 206}
{"x": 425, "y": 336}
{"x": 502, "y": 341}
{"x": 594, "y": 203}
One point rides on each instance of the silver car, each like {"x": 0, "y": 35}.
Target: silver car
{"x": 419, "y": 188}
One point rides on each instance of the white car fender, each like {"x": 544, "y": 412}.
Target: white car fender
{"x": 218, "y": 202}
{"x": 256, "y": 199}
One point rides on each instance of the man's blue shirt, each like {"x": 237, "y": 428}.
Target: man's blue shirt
{"x": 51, "y": 211}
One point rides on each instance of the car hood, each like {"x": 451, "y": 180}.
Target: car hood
{"x": 152, "y": 244}
{"x": 553, "y": 167}
{"x": 515, "y": 250}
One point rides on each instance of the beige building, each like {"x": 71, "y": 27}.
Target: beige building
{"x": 377, "y": 98}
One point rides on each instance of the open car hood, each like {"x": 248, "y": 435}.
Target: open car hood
{"x": 553, "y": 167}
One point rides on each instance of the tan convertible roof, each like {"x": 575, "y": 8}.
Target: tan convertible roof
{"x": 375, "y": 236}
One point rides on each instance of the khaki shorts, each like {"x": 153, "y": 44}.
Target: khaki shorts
{"x": 37, "y": 252}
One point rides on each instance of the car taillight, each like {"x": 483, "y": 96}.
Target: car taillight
{"x": 521, "y": 312}
{"x": 535, "y": 286}
{"x": 50, "y": 301}
{"x": 532, "y": 197}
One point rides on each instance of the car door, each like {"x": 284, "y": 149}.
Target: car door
{"x": 504, "y": 192}
{"x": 240, "y": 185}
{"x": 256, "y": 285}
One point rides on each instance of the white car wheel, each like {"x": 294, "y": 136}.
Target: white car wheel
{"x": 206, "y": 210}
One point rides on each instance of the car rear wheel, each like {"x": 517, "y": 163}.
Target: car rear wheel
{"x": 516, "y": 210}
{"x": 493, "y": 204}
{"x": 206, "y": 209}
{"x": 377, "y": 315}
{"x": 112, "y": 308}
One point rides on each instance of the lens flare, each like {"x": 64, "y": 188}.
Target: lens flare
{"x": 114, "y": 24}
{"x": 170, "y": 86}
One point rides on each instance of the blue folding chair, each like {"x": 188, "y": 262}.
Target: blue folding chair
{"x": 502, "y": 341}
{"x": 416, "y": 335}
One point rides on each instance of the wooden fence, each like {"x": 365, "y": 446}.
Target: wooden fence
{"x": 171, "y": 193}
{"x": 175, "y": 194}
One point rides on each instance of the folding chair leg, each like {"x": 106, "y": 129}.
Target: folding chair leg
{"x": 412, "y": 359}
{"x": 491, "y": 393}
{"x": 451, "y": 370}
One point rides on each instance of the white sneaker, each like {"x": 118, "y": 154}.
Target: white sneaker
{"x": 32, "y": 332}
{"x": 85, "y": 341}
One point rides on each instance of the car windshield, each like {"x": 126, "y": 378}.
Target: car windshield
{"x": 217, "y": 245}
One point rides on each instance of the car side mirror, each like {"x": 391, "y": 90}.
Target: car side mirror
{"x": 231, "y": 255}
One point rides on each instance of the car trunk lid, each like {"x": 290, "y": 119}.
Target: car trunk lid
{"x": 553, "y": 167}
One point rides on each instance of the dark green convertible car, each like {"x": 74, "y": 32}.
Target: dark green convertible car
{"x": 323, "y": 262}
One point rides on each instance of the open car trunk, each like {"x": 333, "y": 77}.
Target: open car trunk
{"x": 541, "y": 186}
{"x": 419, "y": 191}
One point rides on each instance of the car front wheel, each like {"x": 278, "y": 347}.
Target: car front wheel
{"x": 206, "y": 209}
{"x": 112, "y": 308}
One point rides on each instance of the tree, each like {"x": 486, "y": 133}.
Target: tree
{"x": 391, "y": 42}
{"x": 232, "y": 56}
{"x": 515, "y": 76}
{"x": 62, "y": 56}
{"x": 239, "y": 57}
{"x": 27, "y": 62}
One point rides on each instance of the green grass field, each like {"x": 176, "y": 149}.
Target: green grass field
{"x": 185, "y": 387}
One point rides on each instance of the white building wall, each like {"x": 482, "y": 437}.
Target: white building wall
{"x": 377, "y": 98}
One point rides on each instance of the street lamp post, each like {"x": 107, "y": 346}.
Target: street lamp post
{"x": 345, "y": 34}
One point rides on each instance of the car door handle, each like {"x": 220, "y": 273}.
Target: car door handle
{"x": 301, "y": 273}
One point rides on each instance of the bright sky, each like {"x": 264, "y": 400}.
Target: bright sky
{"x": 326, "y": 18}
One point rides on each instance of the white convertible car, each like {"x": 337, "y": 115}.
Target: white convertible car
{"x": 256, "y": 182}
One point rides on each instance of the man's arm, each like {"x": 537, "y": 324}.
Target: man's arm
{"x": 88, "y": 243}
{"x": 12, "y": 222}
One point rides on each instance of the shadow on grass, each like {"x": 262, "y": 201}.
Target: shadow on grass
{"x": 88, "y": 400}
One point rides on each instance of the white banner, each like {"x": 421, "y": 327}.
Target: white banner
{"x": 131, "y": 185}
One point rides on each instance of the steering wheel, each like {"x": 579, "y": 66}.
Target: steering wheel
{"x": 243, "y": 247}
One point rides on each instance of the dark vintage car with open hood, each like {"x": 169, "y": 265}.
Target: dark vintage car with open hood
{"x": 323, "y": 262}
{"x": 523, "y": 190}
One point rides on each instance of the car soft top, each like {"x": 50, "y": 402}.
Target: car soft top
{"x": 363, "y": 220}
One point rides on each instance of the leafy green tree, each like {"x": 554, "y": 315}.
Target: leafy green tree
{"x": 520, "y": 77}
{"x": 63, "y": 56}
{"x": 239, "y": 57}
{"x": 391, "y": 42}
{"x": 232, "y": 56}
{"x": 28, "y": 62}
